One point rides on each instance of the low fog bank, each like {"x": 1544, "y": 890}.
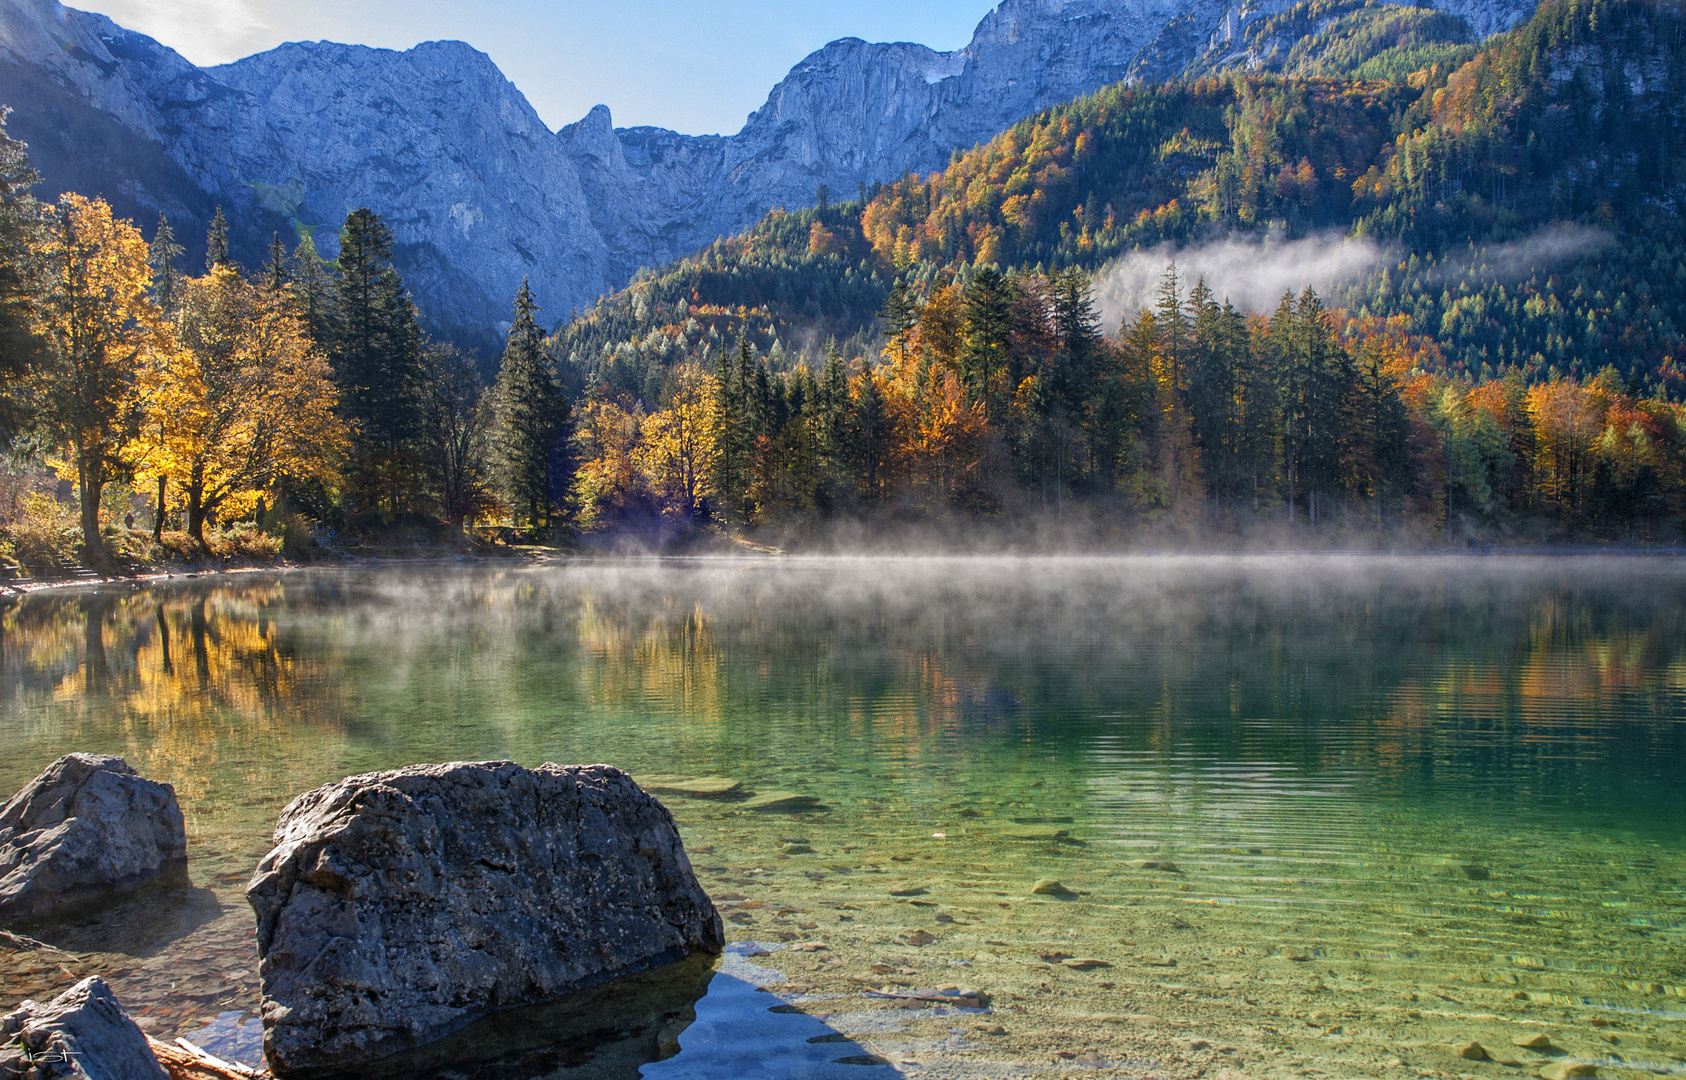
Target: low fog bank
{"x": 1251, "y": 272}
{"x": 1254, "y": 272}
{"x": 1516, "y": 260}
{"x": 1085, "y": 530}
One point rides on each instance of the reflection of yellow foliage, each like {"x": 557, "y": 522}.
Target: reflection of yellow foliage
{"x": 671, "y": 659}
{"x": 196, "y": 682}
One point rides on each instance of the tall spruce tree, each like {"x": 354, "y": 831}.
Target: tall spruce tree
{"x": 275, "y": 274}
{"x": 1174, "y": 329}
{"x": 730, "y": 465}
{"x": 313, "y": 290}
{"x": 21, "y": 228}
{"x": 532, "y": 417}
{"x": 166, "y": 279}
{"x": 1211, "y": 391}
{"x": 836, "y": 434}
{"x": 900, "y": 314}
{"x": 216, "y": 242}
{"x": 986, "y": 342}
{"x": 376, "y": 346}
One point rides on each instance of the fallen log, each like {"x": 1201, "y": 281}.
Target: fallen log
{"x": 184, "y": 1061}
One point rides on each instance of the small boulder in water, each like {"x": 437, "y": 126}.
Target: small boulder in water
{"x": 85, "y": 830}
{"x": 1050, "y": 887}
{"x": 83, "y": 1034}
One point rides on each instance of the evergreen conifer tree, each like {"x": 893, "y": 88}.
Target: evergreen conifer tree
{"x": 900, "y": 314}
{"x": 275, "y": 275}
{"x": 313, "y": 290}
{"x": 166, "y": 279}
{"x": 216, "y": 242}
{"x": 532, "y": 416}
{"x": 1173, "y": 327}
{"x": 376, "y": 346}
{"x": 21, "y": 228}
{"x": 986, "y": 341}
{"x": 728, "y": 473}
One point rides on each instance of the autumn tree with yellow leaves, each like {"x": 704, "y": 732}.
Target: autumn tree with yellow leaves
{"x": 245, "y": 405}
{"x": 676, "y": 449}
{"x": 102, "y": 329}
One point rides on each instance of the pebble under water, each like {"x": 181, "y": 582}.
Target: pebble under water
{"x": 1171, "y": 817}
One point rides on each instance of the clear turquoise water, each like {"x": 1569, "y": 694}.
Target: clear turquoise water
{"x": 1448, "y": 787}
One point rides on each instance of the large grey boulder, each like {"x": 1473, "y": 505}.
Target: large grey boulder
{"x": 84, "y": 1034}
{"x": 397, "y": 907}
{"x": 83, "y": 831}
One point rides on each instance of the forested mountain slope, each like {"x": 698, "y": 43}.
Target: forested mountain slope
{"x": 1525, "y": 205}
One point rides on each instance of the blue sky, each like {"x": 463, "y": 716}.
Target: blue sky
{"x": 697, "y": 67}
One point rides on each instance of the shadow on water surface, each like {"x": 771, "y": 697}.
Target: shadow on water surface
{"x": 136, "y": 923}
{"x": 702, "y": 1018}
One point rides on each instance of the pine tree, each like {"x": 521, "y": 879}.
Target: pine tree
{"x": 835, "y": 434}
{"x": 728, "y": 466}
{"x": 900, "y": 314}
{"x": 1211, "y": 391}
{"x": 1173, "y": 327}
{"x": 1327, "y": 375}
{"x": 532, "y": 417}
{"x": 21, "y": 231}
{"x": 275, "y": 276}
{"x": 986, "y": 342}
{"x": 1078, "y": 327}
{"x": 375, "y": 345}
{"x": 872, "y": 436}
{"x": 216, "y": 242}
{"x": 313, "y": 290}
{"x": 166, "y": 279}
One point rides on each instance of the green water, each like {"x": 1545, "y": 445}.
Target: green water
{"x": 1406, "y": 803}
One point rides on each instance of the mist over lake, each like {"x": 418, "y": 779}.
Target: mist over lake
{"x": 1420, "y": 800}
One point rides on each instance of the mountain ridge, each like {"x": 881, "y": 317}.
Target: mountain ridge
{"x": 480, "y": 193}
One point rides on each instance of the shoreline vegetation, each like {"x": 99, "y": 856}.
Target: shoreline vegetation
{"x": 926, "y": 364}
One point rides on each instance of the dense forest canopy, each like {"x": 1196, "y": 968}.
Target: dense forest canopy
{"x": 1499, "y": 354}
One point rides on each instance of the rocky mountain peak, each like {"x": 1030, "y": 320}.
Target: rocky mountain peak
{"x": 480, "y": 192}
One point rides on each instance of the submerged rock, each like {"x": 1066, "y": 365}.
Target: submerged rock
{"x": 701, "y": 787}
{"x": 1035, "y": 832}
{"x": 781, "y": 801}
{"x": 398, "y": 907}
{"x": 82, "y": 1033}
{"x": 1050, "y": 887}
{"x": 85, "y": 830}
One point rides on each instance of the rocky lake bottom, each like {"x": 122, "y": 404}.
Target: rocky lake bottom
{"x": 1230, "y": 851}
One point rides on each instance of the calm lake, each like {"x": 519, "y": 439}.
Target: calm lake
{"x": 1308, "y": 815}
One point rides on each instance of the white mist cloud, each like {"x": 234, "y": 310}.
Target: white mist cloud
{"x": 206, "y": 32}
{"x": 1517, "y": 259}
{"x": 1252, "y": 273}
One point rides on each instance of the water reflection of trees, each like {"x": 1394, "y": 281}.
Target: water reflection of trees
{"x": 197, "y": 685}
{"x": 1560, "y": 685}
{"x": 1561, "y": 682}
